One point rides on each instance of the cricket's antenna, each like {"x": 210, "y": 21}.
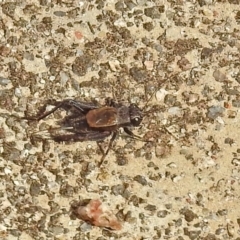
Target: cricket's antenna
{"x": 154, "y": 92}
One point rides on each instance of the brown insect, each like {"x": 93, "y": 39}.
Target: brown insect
{"x": 89, "y": 122}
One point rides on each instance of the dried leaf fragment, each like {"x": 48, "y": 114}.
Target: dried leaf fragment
{"x": 92, "y": 211}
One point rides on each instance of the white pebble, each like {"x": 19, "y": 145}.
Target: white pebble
{"x": 174, "y": 111}
{"x": 52, "y": 78}
{"x": 161, "y": 94}
{"x": 7, "y": 170}
{"x": 18, "y": 92}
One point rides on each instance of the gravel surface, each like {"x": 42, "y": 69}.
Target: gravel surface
{"x": 178, "y": 61}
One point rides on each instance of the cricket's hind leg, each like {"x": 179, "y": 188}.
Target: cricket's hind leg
{"x": 68, "y": 104}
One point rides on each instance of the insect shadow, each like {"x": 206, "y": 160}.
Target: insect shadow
{"x": 88, "y": 121}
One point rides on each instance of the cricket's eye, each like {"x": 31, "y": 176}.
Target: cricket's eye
{"x": 136, "y": 121}
{"x": 135, "y": 115}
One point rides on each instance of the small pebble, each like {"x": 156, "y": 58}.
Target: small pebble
{"x": 175, "y": 111}
{"x": 219, "y": 76}
{"x": 140, "y": 179}
{"x": 215, "y": 111}
{"x": 18, "y": 92}
{"x": 4, "y": 81}
{"x": 160, "y": 95}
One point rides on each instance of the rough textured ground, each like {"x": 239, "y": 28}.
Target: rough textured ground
{"x": 179, "y": 61}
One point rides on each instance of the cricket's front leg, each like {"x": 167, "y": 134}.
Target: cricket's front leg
{"x": 131, "y": 134}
